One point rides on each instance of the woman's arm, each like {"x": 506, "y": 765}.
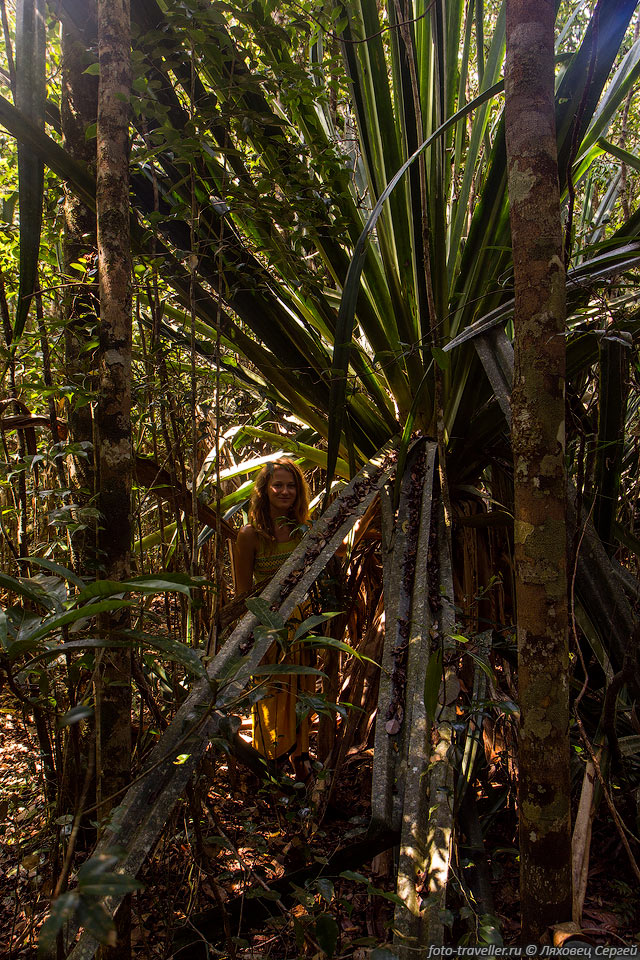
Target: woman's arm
{"x": 244, "y": 555}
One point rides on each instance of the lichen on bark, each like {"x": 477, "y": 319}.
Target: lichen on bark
{"x": 539, "y": 476}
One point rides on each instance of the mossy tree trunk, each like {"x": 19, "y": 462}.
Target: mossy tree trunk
{"x": 539, "y": 468}
{"x": 113, "y": 687}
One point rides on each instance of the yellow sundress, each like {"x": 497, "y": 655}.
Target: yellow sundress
{"x": 276, "y": 731}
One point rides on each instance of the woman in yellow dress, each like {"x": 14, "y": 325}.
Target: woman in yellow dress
{"x": 278, "y": 518}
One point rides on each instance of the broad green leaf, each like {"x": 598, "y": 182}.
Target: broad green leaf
{"x": 624, "y": 156}
{"x": 98, "y": 865}
{"x": 109, "y": 885}
{"x": 262, "y": 894}
{"x": 52, "y": 624}
{"x": 484, "y": 666}
{"x": 284, "y": 669}
{"x": 298, "y": 930}
{"x": 94, "y": 917}
{"x": 432, "y": 681}
{"x": 352, "y": 875}
{"x": 327, "y": 933}
{"x": 75, "y": 715}
{"x": 172, "y": 650}
{"x": 387, "y": 895}
{"x": 325, "y": 888}
{"x": 61, "y": 912}
{"x": 488, "y": 933}
{"x": 4, "y": 631}
{"x": 264, "y": 614}
{"x": 179, "y": 582}
{"x": 58, "y": 569}
{"x": 30, "y": 591}
{"x": 441, "y": 358}
{"x": 330, "y": 643}
{"x": 313, "y": 621}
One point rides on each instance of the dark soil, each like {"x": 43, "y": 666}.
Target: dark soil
{"x": 234, "y": 838}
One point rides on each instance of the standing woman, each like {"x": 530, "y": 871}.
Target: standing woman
{"x": 278, "y": 519}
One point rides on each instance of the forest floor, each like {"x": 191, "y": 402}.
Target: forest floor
{"x": 244, "y": 838}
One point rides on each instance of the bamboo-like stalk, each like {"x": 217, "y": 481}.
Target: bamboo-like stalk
{"x": 409, "y": 919}
{"x": 439, "y": 836}
{"x": 581, "y": 841}
{"x": 386, "y": 805}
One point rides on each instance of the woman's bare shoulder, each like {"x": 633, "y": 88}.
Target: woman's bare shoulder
{"x": 247, "y": 535}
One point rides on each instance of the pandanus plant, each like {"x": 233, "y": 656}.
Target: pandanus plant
{"x": 227, "y": 113}
{"x": 349, "y": 257}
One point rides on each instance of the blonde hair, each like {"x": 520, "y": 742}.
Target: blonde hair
{"x": 259, "y": 512}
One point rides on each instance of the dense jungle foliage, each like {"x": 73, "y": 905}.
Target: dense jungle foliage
{"x": 322, "y": 269}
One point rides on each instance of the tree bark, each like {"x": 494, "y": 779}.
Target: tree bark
{"x": 539, "y": 468}
{"x": 113, "y": 686}
{"x": 78, "y": 108}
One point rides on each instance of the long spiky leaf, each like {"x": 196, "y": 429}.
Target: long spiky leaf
{"x": 346, "y": 314}
{"x": 30, "y": 100}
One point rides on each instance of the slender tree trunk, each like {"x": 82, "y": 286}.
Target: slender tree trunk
{"x": 78, "y": 109}
{"x": 539, "y": 469}
{"x": 113, "y": 687}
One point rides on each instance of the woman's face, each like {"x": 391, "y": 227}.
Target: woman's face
{"x": 281, "y": 491}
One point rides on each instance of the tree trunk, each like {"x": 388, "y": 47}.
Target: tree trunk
{"x": 113, "y": 687}
{"x": 78, "y": 108}
{"x": 539, "y": 471}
